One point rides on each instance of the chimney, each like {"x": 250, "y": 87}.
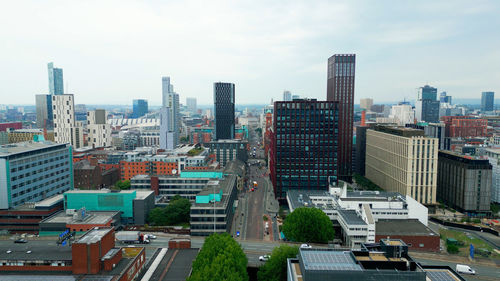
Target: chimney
{"x": 363, "y": 118}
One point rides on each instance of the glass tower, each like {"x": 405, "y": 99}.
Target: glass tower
{"x": 224, "y": 110}
{"x": 56, "y": 85}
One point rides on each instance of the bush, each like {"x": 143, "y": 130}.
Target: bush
{"x": 122, "y": 185}
{"x": 275, "y": 268}
{"x": 308, "y": 225}
{"x": 452, "y": 249}
{"x": 220, "y": 259}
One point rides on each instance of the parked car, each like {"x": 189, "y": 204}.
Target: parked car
{"x": 21, "y": 240}
{"x": 264, "y": 258}
{"x": 305, "y": 246}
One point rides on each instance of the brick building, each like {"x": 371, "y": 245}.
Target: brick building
{"x": 415, "y": 234}
{"x": 465, "y": 126}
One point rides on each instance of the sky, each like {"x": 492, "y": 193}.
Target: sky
{"x": 115, "y": 51}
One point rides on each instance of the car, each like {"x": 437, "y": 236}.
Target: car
{"x": 305, "y": 246}
{"x": 264, "y": 258}
{"x": 21, "y": 240}
{"x": 151, "y": 236}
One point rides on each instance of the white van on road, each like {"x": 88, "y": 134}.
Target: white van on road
{"x": 465, "y": 269}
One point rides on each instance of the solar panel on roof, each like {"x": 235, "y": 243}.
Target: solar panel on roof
{"x": 441, "y": 276}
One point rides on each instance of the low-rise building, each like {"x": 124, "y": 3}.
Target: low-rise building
{"x": 414, "y": 233}
{"x": 79, "y": 221}
{"x": 229, "y": 150}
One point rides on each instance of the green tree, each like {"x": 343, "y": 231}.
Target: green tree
{"x": 176, "y": 212}
{"x": 156, "y": 216}
{"x": 123, "y": 184}
{"x": 308, "y": 225}
{"x": 452, "y": 249}
{"x": 221, "y": 258}
{"x": 275, "y": 268}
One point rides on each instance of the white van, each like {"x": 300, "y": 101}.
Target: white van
{"x": 465, "y": 269}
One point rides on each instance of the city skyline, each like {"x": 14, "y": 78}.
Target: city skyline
{"x": 423, "y": 44}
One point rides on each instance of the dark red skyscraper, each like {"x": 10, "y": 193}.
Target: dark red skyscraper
{"x": 340, "y": 87}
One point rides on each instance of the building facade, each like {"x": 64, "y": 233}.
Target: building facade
{"x": 403, "y": 113}
{"x": 487, "y": 101}
{"x": 56, "y": 84}
{"x": 224, "y": 98}
{"x": 340, "y": 88}
{"x": 139, "y": 108}
{"x": 366, "y": 103}
{"x": 229, "y": 150}
{"x": 465, "y": 126}
{"x": 43, "y": 111}
{"x": 166, "y": 135}
{"x": 66, "y": 130}
{"x": 171, "y": 100}
{"x": 403, "y": 160}
{"x": 287, "y": 96}
{"x": 99, "y": 131}
{"x": 30, "y": 172}
{"x": 464, "y": 182}
{"x": 191, "y": 105}
{"x": 426, "y": 106}
{"x": 493, "y": 155}
{"x": 304, "y": 145}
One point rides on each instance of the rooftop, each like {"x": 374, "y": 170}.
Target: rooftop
{"x": 388, "y": 227}
{"x": 40, "y": 250}
{"x": 94, "y": 235}
{"x": 224, "y": 184}
{"x": 91, "y": 217}
{"x": 328, "y": 259}
{"x": 399, "y": 131}
{"x": 351, "y": 217}
{"x": 180, "y": 261}
{"x": 20, "y": 147}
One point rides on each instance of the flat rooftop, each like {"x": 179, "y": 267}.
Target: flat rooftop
{"x": 351, "y": 217}
{"x": 91, "y": 217}
{"x": 20, "y": 147}
{"x": 104, "y": 190}
{"x": 441, "y": 273}
{"x": 180, "y": 261}
{"x": 93, "y": 236}
{"x": 40, "y": 250}
{"x": 409, "y": 227}
{"x": 328, "y": 259}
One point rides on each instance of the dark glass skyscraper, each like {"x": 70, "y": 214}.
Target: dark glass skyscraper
{"x": 487, "y": 101}
{"x": 340, "y": 87}
{"x": 224, "y": 110}
{"x": 426, "y": 106}
{"x": 303, "y": 152}
{"x": 56, "y": 85}
{"x": 140, "y": 108}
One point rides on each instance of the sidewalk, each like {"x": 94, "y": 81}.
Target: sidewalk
{"x": 272, "y": 205}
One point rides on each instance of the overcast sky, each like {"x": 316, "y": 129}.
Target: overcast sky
{"x": 115, "y": 51}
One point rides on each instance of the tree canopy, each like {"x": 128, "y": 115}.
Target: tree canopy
{"x": 177, "y": 211}
{"x": 123, "y": 184}
{"x": 220, "y": 259}
{"x": 275, "y": 268}
{"x": 308, "y": 225}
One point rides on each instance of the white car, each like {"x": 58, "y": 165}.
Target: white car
{"x": 151, "y": 236}
{"x": 305, "y": 246}
{"x": 264, "y": 258}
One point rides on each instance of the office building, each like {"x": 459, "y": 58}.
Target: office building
{"x": 33, "y": 171}
{"x": 134, "y": 205}
{"x": 403, "y": 160}
{"x": 366, "y": 104}
{"x": 218, "y": 196}
{"x": 464, "y": 182}
{"x": 191, "y": 105}
{"x": 432, "y": 130}
{"x": 487, "y": 101}
{"x": 99, "y": 131}
{"x": 229, "y": 150}
{"x": 493, "y": 155}
{"x": 287, "y": 96}
{"x": 166, "y": 135}
{"x": 340, "y": 88}
{"x": 444, "y": 98}
{"x": 465, "y": 126}
{"x": 56, "y": 84}
{"x": 403, "y": 114}
{"x": 171, "y": 100}
{"x": 224, "y": 99}
{"x": 66, "y": 130}
{"x": 304, "y": 145}
{"x": 43, "y": 111}
{"x": 139, "y": 108}
{"x": 426, "y": 106}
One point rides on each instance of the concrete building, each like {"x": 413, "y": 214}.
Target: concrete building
{"x": 191, "y": 105}
{"x": 229, "y": 150}
{"x": 134, "y": 205}
{"x": 79, "y": 221}
{"x": 387, "y": 260}
{"x": 403, "y": 114}
{"x": 56, "y": 84}
{"x": 66, "y": 130}
{"x": 43, "y": 111}
{"x": 224, "y": 100}
{"x": 171, "y": 100}
{"x": 287, "y": 96}
{"x": 487, "y": 101}
{"x": 166, "y": 135}
{"x": 426, "y": 106}
{"x": 26, "y": 135}
{"x": 415, "y": 234}
{"x": 444, "y": 98}
{"x": 432, "y": 130}
{"x": 464, "y": 182}
{"x": 493, "y": 155}
{"x": 99, "y": 131}
{"x": 218, "y": 196}
{"x": 366, "y": 103}
{"x": 403, "y": 160}
{"x": 33, "y": 171}
{"x": 340, "y": 88}
{"x": 139, "y": 108}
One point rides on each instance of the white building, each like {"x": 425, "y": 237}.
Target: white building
{"x": 66, "y": 130}
{"x": 403, "y": 114}
{"x": 171, "y": 100}
{"x": 166, "y": 135}
{"x": 99, "y": 131}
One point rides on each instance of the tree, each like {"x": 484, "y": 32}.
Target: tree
{"x": 123, "y": 184}
{"x": 220, "y": 258}
{"x": 275, "y": 268}
{"x": 176, "y": 212}
{"x": 452, "y": 249}
{"x": 308, "y": 225}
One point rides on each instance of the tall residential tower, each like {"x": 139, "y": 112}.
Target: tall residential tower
{"x": 224, "y": 110}
{"x": 56, "y": 85}
{"x": 171, "y": 100}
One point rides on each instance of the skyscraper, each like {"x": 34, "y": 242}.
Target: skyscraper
{"x": 487, "y": 101}
{"x": 426, "y": 106}
{"x": 166, "y": 135}
{"x": 66, "y": 130}
{"x": 171, "y": 100}
{"x": 444, "y": 98}
{"x": 191, "y": 105}
{"x": 340, "y": 87}
{"x": 99, "y": 134}
{"x": 56, "y": 85}
{"x": 224, "y": 110}
{"x": 303, "y": 151}
{"x": 43, "y": 111}
{"x": 287, "y": 96}
{"x": 139, "y": 108}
